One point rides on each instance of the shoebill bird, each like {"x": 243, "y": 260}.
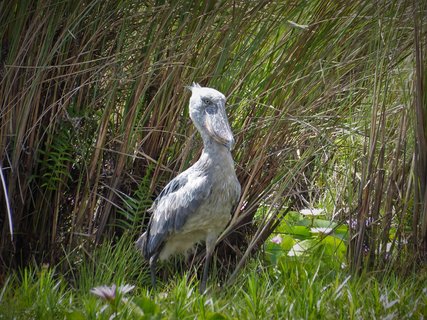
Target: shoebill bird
{"x": 197, "y": 205}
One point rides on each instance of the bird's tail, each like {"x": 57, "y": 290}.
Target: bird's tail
{"x": 141, "y": 244}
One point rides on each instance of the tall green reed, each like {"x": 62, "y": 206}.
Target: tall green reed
{"x": 94, "y": 118}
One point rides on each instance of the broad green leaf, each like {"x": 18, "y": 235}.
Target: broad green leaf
{"x": 302, "y": 231}
{"x": 342, "y": 229}
{"x": 341, "y": 232}
{"x": 322, "y": 223}
{"x": 302, "y": 247}
{"x": 293, "y": 217}
{"x": 334, "y": 246}
{"x": 273, "y": 252}
{"x": 287, "y": 242}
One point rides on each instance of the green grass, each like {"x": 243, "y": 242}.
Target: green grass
{"x": 296, "y": 288}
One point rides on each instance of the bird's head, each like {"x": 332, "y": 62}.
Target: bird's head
{"x": 207, "y": 110}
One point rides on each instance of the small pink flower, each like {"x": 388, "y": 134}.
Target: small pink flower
{"x": 277, "y": 239}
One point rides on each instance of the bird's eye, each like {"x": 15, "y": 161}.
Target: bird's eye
{"x": 206, "y": 101}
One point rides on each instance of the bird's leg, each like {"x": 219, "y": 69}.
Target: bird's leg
{"x": 205, "y": 272}
{"x": 153, "y": 263}
{"x": 210, "y": 246}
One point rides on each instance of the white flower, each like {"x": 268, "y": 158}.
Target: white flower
{"x": 321, "y": 230}
{"x": 311, "y": 212}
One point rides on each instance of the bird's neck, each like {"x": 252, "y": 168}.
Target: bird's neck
{"x": 212, "y": 147}
{"x": 214, "y": 153}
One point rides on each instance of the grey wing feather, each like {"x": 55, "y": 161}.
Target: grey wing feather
{"x": 237, "y": 194}
{"x": 171, "y": 209}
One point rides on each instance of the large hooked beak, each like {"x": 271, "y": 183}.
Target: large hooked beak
{"x": 218, "y": 127}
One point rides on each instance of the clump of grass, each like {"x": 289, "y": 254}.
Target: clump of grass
{"x": 35, "y": 293}
{"x": 297, "y": 287}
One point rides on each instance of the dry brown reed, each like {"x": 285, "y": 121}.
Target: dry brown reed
{"x": 327, "y": 100}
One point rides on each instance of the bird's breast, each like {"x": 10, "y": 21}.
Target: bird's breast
{"x": 215, "y": 213}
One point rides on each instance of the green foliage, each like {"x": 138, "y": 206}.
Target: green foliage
{"x": 38, "y": 294}
{"x": 56, "y": 160}
{"x": 106, "y": 265}
{"x": 298, "y": 236}
{"x": 133, "y": 210}
{"x": 294, "y": 288}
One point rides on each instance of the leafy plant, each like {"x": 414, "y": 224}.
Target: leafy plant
{"x": 300, "y": 235}
{"x": 302, "y": 287}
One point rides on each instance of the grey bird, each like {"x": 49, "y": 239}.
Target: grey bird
{"x": 197, "y": 204}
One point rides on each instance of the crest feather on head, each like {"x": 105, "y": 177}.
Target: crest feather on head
{"x": 193, "y": 85}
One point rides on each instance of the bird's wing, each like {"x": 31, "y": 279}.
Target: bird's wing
{"x": 178, "y": 200}
{"x": 237, "y": 194}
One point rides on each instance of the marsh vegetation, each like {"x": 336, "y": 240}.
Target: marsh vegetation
{"x": 328, "y": 105}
